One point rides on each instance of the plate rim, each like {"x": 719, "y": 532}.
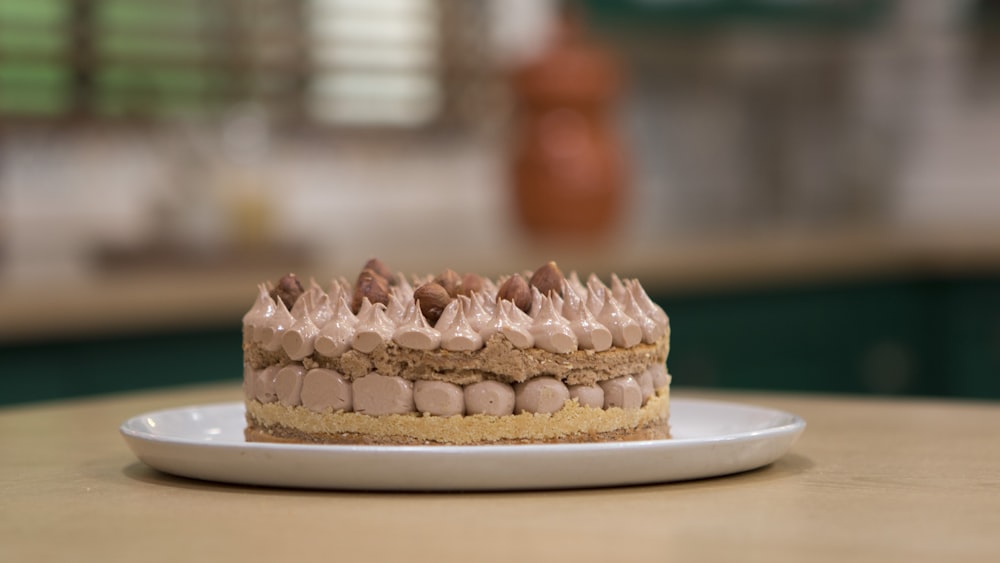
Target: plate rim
{"x": 794, "y": 424}
{"x": 453, "y": 468}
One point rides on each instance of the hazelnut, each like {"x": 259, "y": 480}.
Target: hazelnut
{"x": 450, "y": 281}
{"x": 381, "y": 269}
{"x": 515, "y": 289}
{"x": 372, "y": 286}
{"x": 471, "y": 283}
{"x": 547, "y": 279}
{"x": 432, "y": 299}
{"x": 289, "y": 289}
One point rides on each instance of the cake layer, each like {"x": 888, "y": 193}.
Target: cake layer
{"x": 277, "y": 422}
{"x": 498, "y": 360}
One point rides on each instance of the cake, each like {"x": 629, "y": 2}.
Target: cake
{"x": 532, "y": 357}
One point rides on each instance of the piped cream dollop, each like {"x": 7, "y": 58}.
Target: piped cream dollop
{"x": 625, "y": 332}
{"x": 551, "y": 330}
{"x": 502, "y": 322}
{"x": 650, "y": 330}
{"x": 299, "y": 339}
{"x": 590, "y": 334}
{"x": 573, "y": 279}
{"x": 651, "y": 309}
{"x": 489, "y": 291}
{"x": 374, "y": 327}
{"x": 456, "y": 333}
{"x": 415, "y": 333}
{"x": 275, "y": 327}
{"x": 326, "y": 390}
{"x": 488, "y": 303}
{"x": 536, "y": 302}
{"x": 319, "y": 308}
{"x": 588, "y": 395}
{"x": 402, "y": 289}
{"x": 596, "y": 295}
{"x": 622, "y": 392}
{"x": 617, "y": 288}
{"x": 540, "y": 395}
{"x": 489, "y": 397}
{"x": 438, "y": 398}
{"x": 336, "y": 335}
{"x": 256, "y": 318}
{"x": 477, "y": 316}
{"x": 396, "y": 308}
{"x": 288, "y": 384}
{"x": 376, "y": 394}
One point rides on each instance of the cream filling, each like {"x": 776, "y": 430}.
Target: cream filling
{"x": 569, "y": 420}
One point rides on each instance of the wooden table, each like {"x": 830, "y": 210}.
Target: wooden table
{"x": 870, "y": 480}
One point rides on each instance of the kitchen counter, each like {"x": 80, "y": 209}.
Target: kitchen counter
{"x": 869, "y": 480}
{"x": 139, "y": 298}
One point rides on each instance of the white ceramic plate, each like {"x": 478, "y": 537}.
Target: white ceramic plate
{"x": 709, "y": 439}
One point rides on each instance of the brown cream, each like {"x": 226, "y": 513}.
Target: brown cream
{"x": 376, "y": 394}
{"x": 263, "y": 385}
{"x": 336, "y": 335}
{"x": 325, "y": 389}
{"x": 288, "y": 384}
{"x": 438, "y": 398}
{"x": 645, "y": 381}
{"x": 503, "y": 322}
{"x": 457, "y": 334}
{"x": 540, "y": 395}
{"x": 622, "y": 392}
{"x": 588, "y": 395}
{"x": 625, "y": 332}
{"x": 374, "y": 327}
{"x": 550, "y": 330}
{"x": 414, "y": 332}
{"x": 489, "y": 397}
{"x": 594, "y": 317}
{"x": 249, "y": 375}
{"x": 659, "y": 375}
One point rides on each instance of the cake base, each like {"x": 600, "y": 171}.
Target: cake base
{"x": 274, "y": 422}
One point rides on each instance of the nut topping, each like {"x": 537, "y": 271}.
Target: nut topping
{"x": 547, "y": 279}
{"x": 432, "y": 299}
{"x": 515, "y": 289}
{"x": 372, "y": 286}
{"x": 381, "y": 269}
{"x": 471, "y": 283}
{"x": 450, "y": 281}
{"x": 288, "y": 290}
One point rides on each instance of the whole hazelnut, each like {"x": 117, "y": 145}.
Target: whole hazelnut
{"x": 432, "y": 299}
{"x": 289, "y": 289}
{"x": 372, "y": 286}
{"x": 381, "y": 269}
{"x": 471, "y": 283}
{"x": 450, "y": 281}
{"x": 547, "y": 279}
{"x": 515, "y": 289}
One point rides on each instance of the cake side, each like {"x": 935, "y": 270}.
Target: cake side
{"x": 458, "y": 360}
{"x": 498, "y": 359}
{"x": 571, "y": 423}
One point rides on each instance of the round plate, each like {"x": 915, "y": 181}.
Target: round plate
{"x": 710, "y": 438}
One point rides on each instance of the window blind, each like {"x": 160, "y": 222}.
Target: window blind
{"x": 352, "y": 63}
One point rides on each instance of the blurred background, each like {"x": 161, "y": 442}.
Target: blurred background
{"x": 811, "y": 189}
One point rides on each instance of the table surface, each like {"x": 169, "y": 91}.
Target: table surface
{"x": 869, "y": 480}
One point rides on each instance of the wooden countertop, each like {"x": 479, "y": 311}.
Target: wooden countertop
{"x": 141, "y": 299}
{"x": 869, "y": 480}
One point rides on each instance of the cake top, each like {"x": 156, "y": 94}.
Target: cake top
{"x": 542, "y": 309}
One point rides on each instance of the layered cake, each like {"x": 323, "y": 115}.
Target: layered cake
{"x": 455, "y": 359}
